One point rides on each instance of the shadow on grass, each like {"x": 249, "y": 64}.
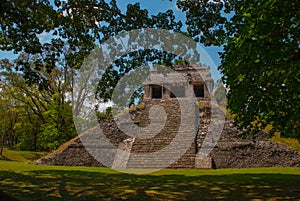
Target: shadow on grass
{"x": 4, "y": 158}
{"x": 81, "y": 185}
{"x": 6, "y": 197}
{"x": 32, "y": 156}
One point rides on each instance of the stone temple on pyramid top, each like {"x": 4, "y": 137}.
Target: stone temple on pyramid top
{"x": 170, "y": 85}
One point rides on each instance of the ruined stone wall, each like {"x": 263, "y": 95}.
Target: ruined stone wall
{"x": 231, "y": 151}
{"x": 235, "y": 151}
{"x": 72, "y": 153}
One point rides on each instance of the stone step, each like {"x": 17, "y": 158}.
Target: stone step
{"x": 157, "y": 151}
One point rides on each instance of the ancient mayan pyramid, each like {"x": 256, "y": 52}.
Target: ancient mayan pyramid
{"x": 168, "y": 92}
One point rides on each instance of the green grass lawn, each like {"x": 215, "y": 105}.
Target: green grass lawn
{"x": 26, "y": 181}
{"x": 23, "y": 156}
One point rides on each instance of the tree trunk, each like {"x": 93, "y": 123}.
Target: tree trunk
{"x": 35, "y": 139}
{"x": 1, "y": 145}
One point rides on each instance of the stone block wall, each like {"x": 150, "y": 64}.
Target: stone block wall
{"x": 237, "y": 150}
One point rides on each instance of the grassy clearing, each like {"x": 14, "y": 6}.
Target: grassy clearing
{"x": 23, "y": 156}
{"x": 36, "y": 182}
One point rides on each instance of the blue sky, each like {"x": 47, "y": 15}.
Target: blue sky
{"x": 209, "y": 55}
{"x": 153, "y": 6}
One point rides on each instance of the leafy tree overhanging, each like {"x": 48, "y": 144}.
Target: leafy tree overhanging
{"x": 260, "y": 60}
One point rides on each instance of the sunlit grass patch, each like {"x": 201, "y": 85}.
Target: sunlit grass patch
{"x": 23, "y": 156}
{"x": 290, "y": 142}
{"x": 32, "y": 182}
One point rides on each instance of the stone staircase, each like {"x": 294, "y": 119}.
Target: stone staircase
{"x": 163, "y": 137}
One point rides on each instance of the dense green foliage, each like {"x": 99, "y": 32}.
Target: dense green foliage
{"x": 261, "y": 58}
{"x": 40, "y": 81}
{"x": 34, "y": 118}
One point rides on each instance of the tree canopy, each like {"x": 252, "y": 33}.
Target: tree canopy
{"x": 261, "y": 58}
{"x": 259, "y": 62}
{"x": 48, "y": 67}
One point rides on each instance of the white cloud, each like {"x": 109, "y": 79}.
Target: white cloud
{"x": 103, "y": 106}
{"x": 45, "y": 37}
